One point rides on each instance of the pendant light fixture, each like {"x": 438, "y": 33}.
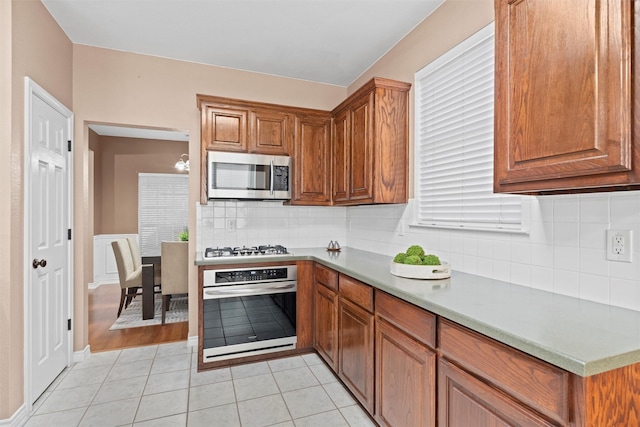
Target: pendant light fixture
{"x": 183, "y": 163}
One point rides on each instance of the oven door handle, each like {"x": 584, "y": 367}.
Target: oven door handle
{"x": 253, "y": 290}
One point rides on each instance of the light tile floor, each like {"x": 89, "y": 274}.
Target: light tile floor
{"x": 159, "y": 386}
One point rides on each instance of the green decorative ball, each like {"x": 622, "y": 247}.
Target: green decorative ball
{"x": 430, "y": 260}
{"x": 413, "y": 260}
{"x": 400, "y": 258}
{"x": 415, "y": 250}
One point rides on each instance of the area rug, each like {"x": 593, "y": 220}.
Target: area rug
{"x": 131, "y": 317}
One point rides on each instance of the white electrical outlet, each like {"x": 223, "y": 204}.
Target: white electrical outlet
{"x": 231, "y": 225}
{"x": 619, "y": 245}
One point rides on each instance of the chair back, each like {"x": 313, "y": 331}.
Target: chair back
{"x": 175, "y": 267}
{"x": 124, "y": 262}
{"x": 134, "y": 247}
{"x": 135, "y": 252}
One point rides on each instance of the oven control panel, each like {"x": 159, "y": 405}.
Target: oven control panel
{"x": 249, "y": 275}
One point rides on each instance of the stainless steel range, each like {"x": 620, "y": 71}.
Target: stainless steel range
{"x": 247, "y": 311}
{"x": 258, "y": 251}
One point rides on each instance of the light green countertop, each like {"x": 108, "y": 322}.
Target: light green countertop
{"x": 580, "y": 336}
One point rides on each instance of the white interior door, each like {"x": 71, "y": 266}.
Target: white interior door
{"x": 47, "y": 243}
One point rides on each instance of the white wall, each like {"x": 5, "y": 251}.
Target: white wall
{"x": 564, "y": 252}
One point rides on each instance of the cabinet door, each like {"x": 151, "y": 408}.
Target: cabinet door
{"x": 326, "y": 324}
{"x": 340, "y": 156}
{"x": 356, "y": 351}
{"x": 271, "y": 132}
{"x": 405, "y": 379}
{"x": 224, "y": 129}
{"x": 464, "y": 401}
{"x": 361, "y": 150}
{"x": 312, "y": 151}
{"x": 563, "y": 94}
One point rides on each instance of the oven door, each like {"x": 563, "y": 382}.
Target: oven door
{"x": 244, "y": 320}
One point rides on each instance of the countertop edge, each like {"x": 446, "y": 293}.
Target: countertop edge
{"x": 552, "y": 356}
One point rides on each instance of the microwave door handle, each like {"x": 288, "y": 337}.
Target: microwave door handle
{"x": 271, "y": 179}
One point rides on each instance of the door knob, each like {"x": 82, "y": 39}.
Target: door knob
{"x": 41, "y": 263}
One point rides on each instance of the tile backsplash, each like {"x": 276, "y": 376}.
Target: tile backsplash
{"x": 564, "y": 251}
{"x": 250, "y": 223}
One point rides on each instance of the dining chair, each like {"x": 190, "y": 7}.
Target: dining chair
{"x": 130, "y": 277}
{"x": 175, "y": 272}
{"x": 137, "y": 260}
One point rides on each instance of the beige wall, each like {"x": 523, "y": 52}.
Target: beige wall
{"x": 95, "y": 182}
{"x": 115, "y": 87}
{"x": 10, "y": 326}
{"x": 121, "y": 160}
{"x": 39, "y": 49}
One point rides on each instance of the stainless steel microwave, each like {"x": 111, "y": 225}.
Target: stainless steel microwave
{"x": 248, "y": 176}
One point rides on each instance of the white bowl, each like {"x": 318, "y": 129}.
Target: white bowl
{"x": 442, "y": 271}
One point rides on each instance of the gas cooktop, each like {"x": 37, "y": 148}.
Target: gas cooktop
{"x": 252, "y": 251}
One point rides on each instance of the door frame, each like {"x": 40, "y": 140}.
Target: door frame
{"x": 33, "y": 89}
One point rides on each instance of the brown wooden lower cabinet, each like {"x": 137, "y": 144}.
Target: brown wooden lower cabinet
{"x": 326, "y": 324}
{"x": 531, "y": 381}
{"x": 463, "y": 400}
{"x": 405, "y": 379}
{"x": 355, "y": 349}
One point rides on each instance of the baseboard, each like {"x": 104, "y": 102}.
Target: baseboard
{"x": 79, "y": 356}
{"x": 96, "y": 284}
{"x": 19, "y": 418}
{"x": 192, "y": 341}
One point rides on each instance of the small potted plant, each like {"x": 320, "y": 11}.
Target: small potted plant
{"x": 415, "y": 264}
{"x": 184, "y": 235}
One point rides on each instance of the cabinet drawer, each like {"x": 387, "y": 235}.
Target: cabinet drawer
{"x": 357, "y": 292}
{"x": 543, "y": 387}
{"x": 413, "y": 320}
{"x": 326, "y": 276}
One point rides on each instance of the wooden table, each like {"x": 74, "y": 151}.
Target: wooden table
{"x": 148, "y": 297}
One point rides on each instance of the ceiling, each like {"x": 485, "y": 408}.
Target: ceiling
{"x": 326, "y": 41}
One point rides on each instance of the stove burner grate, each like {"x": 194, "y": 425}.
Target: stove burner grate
{"x": 244, "y": 251}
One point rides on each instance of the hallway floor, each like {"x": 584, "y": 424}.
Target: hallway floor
{"x": 158, "y": 385}
{"x": 103, "y": 309}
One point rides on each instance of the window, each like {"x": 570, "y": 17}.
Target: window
{"x": 454, "y": 141}
{"x": 163, "y": 209}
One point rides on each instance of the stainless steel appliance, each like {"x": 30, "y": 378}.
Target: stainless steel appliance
{"x": 258, "y": 251}
{"x": 248, "y": 176}
{"x": 248, "y": 311}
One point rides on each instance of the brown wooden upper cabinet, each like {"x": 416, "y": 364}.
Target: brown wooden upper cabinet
{"x": 312, "y": 160}
{"x": 565, "y": 87}
{"x": 370, "y": 144}
{"x": 356, "y": 154}
{"x": 236, "y": 125}
{"x": 223, "y": 127}
{"x": 271, "y": 132}
{"x": 252, "y": 127}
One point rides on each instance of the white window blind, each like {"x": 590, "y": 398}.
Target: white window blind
{"x": 454, "y": 140}
{"x": 163, "y": 209}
